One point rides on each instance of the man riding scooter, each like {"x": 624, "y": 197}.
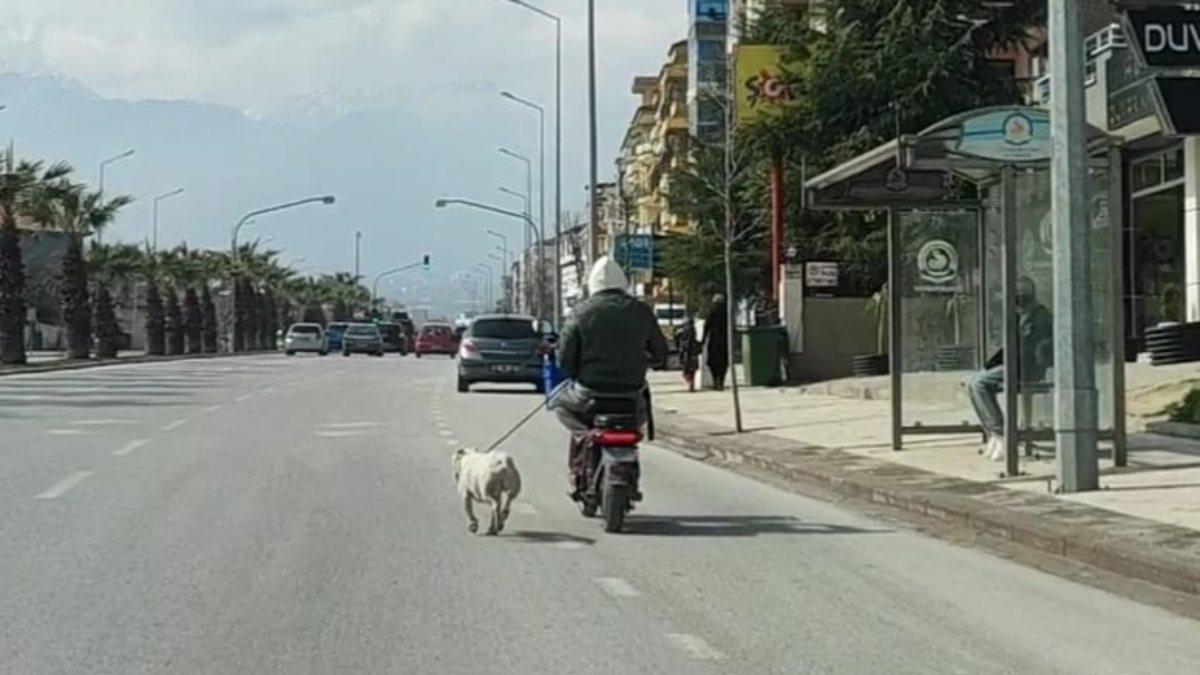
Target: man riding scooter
{"x": 605, "y": 352}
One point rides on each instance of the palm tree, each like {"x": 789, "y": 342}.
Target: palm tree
{"x": 69, "y": 207}
{"x": 22, "y": 186}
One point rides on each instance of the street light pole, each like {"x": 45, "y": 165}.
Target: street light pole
{"x": 503, "y": 261}
{"x": 528, "y": 180}
{"x": 154, "y": 234}
{"x": 103, "y": 165}
{"x": 593, "y": 161}
{"x": 491, "y": 289}
{"x": 541, "y": 256}
{"x": 326, "y": 200}
{"x": 558, "y": 298}
{"x": 1075, "y": 405}
{"x": 357, "y": 247}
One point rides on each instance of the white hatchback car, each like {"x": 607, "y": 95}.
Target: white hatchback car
{"x": 305, "y": 337}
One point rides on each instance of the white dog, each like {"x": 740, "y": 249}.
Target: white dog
{"x": 490, "y": 477}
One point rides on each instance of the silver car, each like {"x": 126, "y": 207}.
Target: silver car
{"x": 305, "y": 337}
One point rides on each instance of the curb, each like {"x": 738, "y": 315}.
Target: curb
{"x": 1127, "y": 546}
{"x": 101, "y": 363}
{"x": 1176, "y": 429}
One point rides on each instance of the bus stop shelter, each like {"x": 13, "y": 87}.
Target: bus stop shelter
{"x": 968, "y": 215}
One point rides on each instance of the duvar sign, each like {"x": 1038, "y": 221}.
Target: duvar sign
{"x": 1166, "y": 37}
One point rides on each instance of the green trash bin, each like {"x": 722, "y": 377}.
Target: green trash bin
{"x": 761, "y": 354}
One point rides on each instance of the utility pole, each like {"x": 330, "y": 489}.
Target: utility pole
{"x": 1075, "y": 407}
{"x": 593, "y": 162}
{"x": 357, "y": 250}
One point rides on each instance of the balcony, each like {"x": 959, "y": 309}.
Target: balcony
{"x": 1102, "y": 42}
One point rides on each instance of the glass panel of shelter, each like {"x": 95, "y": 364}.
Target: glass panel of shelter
{"x": 952, "y": 307}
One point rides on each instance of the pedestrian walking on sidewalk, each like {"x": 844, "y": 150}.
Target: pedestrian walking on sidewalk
{"x": 716, "y": 339}
{"x": 688, "y": 348}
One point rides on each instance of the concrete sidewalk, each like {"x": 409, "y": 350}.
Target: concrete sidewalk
{"x": 1148, "y": 512}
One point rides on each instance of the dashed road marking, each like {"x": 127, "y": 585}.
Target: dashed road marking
{"x": 340, "y": 434}
{"x": 101, "y": 423}
{"x": 211, "y": 409}
{"x": 451, "y": 441}
{"x": 130, "y": 447}
{"x": 568, "y": 545}
{"x": 242, "y": 398}
{"x": 268, "y": 390}
{"x": 446, "y": 432}
{"x": 525, "y": 509}
{"x": 63, "y": 486}
{"x": 616, "y": 587}
{"x": 65, "y": 432}
{"x": 695, "y": 647}
{"x": 348, "y": 425}
{"x": 174, "y": 425}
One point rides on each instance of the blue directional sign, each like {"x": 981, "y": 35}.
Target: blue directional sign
{"x": 634, "y": 252}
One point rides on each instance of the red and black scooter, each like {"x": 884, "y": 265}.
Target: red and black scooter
{"x": 610, "y": 479}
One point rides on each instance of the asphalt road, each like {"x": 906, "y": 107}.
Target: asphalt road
{"x": 269, "y": 515}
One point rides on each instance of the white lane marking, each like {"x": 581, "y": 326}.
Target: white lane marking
{"x": 617, "y": 587}
{"x": 101, "y": 423}
{"x": 568, "y": 545}
{"x": 451, "y": 441}
{"x": 211, "y": 409}
{"x": 695, "y": 647}
{"x": 65, "y": 432}
{"x": 340, "y": 434}
{"x": 174, "y": 425}
{"x": 268, "y": 390}
{"x": 525, "y": 509}
{"x": 61, "y": 487}
{"x": 348, "y": 425}
{"x": 130, "y": 447}
{"x": 446, "y": 432}
{"x": 243, "y": 397}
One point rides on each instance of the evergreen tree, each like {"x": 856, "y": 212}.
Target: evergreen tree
{"x": 108, "y": 333}
{"x": 155, "y": 320}
{"x": 12, "y": 297}
{"x": 208, "y": 329}
{"x": 174, "y": 323}
{"x": 193, "y": 321}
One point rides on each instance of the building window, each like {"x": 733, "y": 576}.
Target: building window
{"x": 711, "y": 50}
{"x": 711, "y": 10}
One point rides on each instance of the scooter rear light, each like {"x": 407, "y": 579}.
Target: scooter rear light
{"x": 618, "y": 437}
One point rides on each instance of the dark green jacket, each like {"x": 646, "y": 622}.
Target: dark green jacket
{"x": 611, "y": 342}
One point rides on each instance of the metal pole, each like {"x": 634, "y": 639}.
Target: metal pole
{"x": 730, "y": 301}
{"x": 1075, "y": 413}
{"x": 593, "y": 159}
{"x": 357, "y": 248}
{"x": 154, "y": 233}
{"x": 558, "y": 296}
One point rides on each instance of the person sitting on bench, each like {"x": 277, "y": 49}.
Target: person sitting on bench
{"x": 1035, "y": 329}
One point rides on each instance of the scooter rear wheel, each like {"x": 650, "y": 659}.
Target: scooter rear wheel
{"x": 616, "y": 503}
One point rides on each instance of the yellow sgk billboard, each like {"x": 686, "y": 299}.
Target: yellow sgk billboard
{"x": 763, "y": 84}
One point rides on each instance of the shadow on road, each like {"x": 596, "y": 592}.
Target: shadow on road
{"x": 498, "y": 390}
{"x": 541, "y": 537}
{"x": 733, "y": 526}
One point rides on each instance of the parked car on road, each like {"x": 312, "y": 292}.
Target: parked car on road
{"x": 436, "y": 338}
{"x": 333, "y": 335}
{"x": 362, "y": 338}
{"x": 394, "y": 339}
{"x": 305, "y": 337}
{"x": 502, "y": 348}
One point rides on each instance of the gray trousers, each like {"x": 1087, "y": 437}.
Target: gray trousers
{"x": 984, "y": 388}
{"x": 570, "y": 406}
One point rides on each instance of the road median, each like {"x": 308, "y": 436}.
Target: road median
{"x": 1159, "y": 553}
{"x": 69, "y": 364}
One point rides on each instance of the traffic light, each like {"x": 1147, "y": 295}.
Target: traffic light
{"x": 425, "y": 262}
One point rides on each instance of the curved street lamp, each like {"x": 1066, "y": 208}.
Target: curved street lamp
{"x": 558, "y": 299}
{"x": 166, "y": 195}
{"x": 326, "y": 200}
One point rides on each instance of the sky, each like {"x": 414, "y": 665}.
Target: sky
{"x": 317, "y": 63}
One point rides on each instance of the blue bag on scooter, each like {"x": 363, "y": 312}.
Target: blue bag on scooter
{"x": 552, "y": 378}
